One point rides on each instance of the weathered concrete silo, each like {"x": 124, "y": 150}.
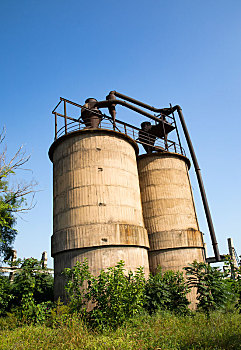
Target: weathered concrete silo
{"x": 97, "y": 206}
{"x": 169, "y": 211}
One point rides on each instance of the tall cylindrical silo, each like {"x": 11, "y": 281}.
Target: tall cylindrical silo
{"x": 97, "y": 207}
{"x": 169, "y": 211}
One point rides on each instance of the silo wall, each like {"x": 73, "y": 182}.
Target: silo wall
{"x": 97, "y": 207}
{"x": 169, "y": 211}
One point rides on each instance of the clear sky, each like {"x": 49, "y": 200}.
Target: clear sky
{"x": 180, "y": 51}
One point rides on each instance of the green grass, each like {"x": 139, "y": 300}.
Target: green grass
{"x": 163, "y": 331}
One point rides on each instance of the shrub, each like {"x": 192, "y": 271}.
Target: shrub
{"x": 114, "y": 296}
{"x": 212, "y": 289}
{"x": 167, "y": 291}
{"x": 233, "y": 276}
{"x": 75, "y": 287}
{"x": 5, "y": 294}
{"x": 31, "y": 292}
{"x": 31, "y": 279}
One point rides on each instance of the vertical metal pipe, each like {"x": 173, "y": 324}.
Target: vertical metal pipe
{"x": 179, "y": 140}
{"x": 201, "y": 186}
{"x": 56, "y": 127}
{"x": 65, "y": 118}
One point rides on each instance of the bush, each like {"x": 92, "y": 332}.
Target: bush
{"x": 116, "y": 296}
{"x": 5, "y": 294}
{"x": 112, "y": 296}
{"x": 31, "y": 280}
{"x": 233, "y": 276}
{"x": 30, "y": 295}
{"x": 77, "y": 278}
{"x": 166, "y": 291}
{"x": 212, "y": 289}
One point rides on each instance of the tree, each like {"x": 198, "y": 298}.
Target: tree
{"x": 13, "y": 196}
{"x": 212, "y": 289}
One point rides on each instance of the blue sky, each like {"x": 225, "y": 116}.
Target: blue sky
{"x": 180, "y": 51}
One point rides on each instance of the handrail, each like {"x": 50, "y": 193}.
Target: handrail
{"x": 72, "y": 124}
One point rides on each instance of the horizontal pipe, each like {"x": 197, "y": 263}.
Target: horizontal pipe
{"x": 132, "y": 100}
{"x": 107, "y": 103}
{"x": 165, "y": 111}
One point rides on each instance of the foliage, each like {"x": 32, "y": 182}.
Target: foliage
{"x": 59, "y": 315}
{"x": 8, "y": 203}
{"x": 31, "y": 291}
{"x": 116, "y": 296}
{"x": 160, "y": 331}
{"x": 238, "y": 287}
{"x": 77, "y": 278}
{"x": 31, "y": 280}
{"x": 233, "y": 275}
{"x": 12, "y": 197}
{"x": 7, "y": 231}
{"x": 212, "y": 289}
{"x": 5, "y": 294}
{"x": 166, "y": 291}
{"x": 113, "y": 296}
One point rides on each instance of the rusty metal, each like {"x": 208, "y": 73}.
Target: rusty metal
{"x": 128, "y": 129}
{"x": 90, "y": 113}
{"x": 179, "y": 140}
{"x": 70, "y": 118}
{"x": 139, "y": 103}
{"x": 162, "y": 128}
{"x": 212, "y": 259}
{"x": 111, "y": 108}
{"x": 147, "y": 141}
{"x": 165, "y": 111}
{"x": 65, "y": 117}
{"x": 70, "y": 102}
{"x": 107, "y": 103}
{"x": 56, "y": 106}
{"x": 56, "y": 125}
{"x": 200, "y": 183}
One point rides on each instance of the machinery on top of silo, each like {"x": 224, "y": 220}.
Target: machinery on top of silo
{"x": 103, "y": 190}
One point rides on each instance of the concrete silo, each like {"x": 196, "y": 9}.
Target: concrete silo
{"x": 169, "y": 211}
{"x": 97, "y": 207}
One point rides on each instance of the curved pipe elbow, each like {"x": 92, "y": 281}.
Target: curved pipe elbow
{"x": 177, "y": 108}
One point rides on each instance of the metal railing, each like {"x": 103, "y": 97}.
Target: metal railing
{"x": 138, "y": 135}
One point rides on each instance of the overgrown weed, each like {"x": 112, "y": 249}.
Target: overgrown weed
{"x": 163, "y": 330}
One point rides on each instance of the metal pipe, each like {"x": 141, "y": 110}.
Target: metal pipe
{"x": 107, "y": 103}
{"x": 56, "y": 126}
{"x": 179, "y": 140}
{"x": 65, "y": 117}
{"x": 200, "y": 183}
{"x": 132, "y": 100}
{"x": 165, "y": 111}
